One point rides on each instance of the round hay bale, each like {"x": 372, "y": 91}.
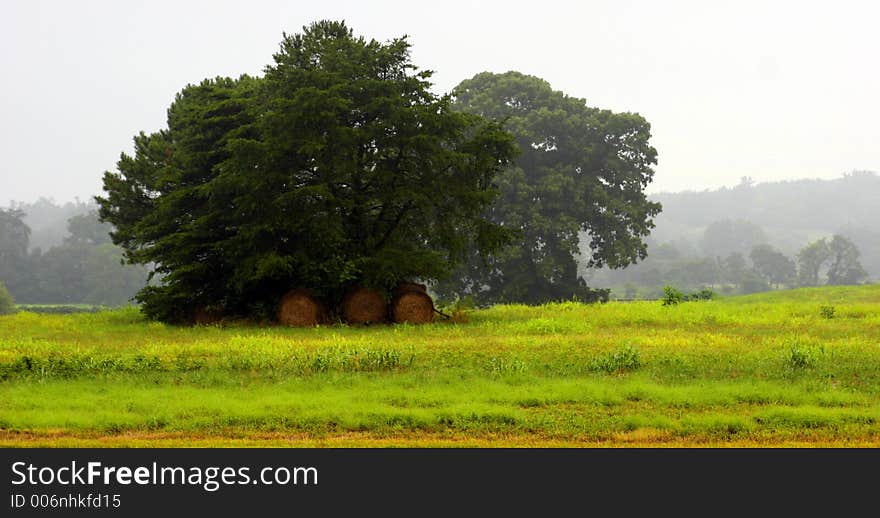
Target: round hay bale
{"x": 413, "y": 307}
{"x": 300, "y": 308}
{"x": 364, "y": 306}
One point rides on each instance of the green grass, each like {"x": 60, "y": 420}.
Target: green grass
{"x": 761, "y": 370}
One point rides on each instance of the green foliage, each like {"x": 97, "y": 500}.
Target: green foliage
{"x": 845, "y": 267}
{"x": 827, "y": 311}
{"x": 753, "y": 282}
{"x": 703, "y": 294}
{"x": 7, "y": 303}
{"x": 87, "y": 229}
{"x": 671, "y": 296}
{"x": 734, "y": 268}
{"x": 577, "y": 186}
{"x": 839, "y": 258}
{"x": 803, "y": 356}
{"x": 338, "y": 167}
{"x": 624, "y": 359}
{"x": 811, "y": 259}
{"x": 14, "y": 235}
{"x": 773, "y": 265}
{"x": 85, "y": 268}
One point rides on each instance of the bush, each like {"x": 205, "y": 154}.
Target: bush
{"x": 671, "y": 296}
{"x": 626, "y": 358}
{"x": 827, "y": 311}
{"x": 802, "y": 356}
{"x": 704, "y": 294}
{"x": 7, "y": 303}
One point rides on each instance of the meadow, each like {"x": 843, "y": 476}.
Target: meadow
{"x": 789, "y": 368}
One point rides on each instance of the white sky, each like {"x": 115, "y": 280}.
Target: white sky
{"x": 771, "y": 90}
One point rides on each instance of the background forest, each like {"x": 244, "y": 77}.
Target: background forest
{"x": 701, "y": 239}
{"x": 757, "y": 237}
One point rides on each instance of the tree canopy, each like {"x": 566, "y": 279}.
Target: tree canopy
{"x": 845, "y": 267}
{"x": 774, "y": 266}
{"x": 338, "y": 166}
{"x": 581, "y": 174}
{"x": 7, "y": 303}
{"x": 84, "y": 268}
{"x": 14, "y": 236}
{"x": 810, "y": 259}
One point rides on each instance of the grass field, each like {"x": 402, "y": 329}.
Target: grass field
{"x": 796, "y": 368}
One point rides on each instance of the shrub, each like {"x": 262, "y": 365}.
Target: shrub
{"x": 704, "y": 294}
{"x": 803, "y": 356}
{"x": 624, "y": 359}
{"x": 671, "y": 296}
{"x": 827, "y": 311}
{"x": 7, "y": 303}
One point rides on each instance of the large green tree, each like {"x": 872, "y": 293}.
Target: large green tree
{"x": 87, "y": 229}
{"x": 845, "y": 267}
{"x": 338, "y": 166}
{"x": 7, "y": 302}
{"x": 839, "y": 257}
{"x": 811, "y": 259}
{"x": 581, "y": 175}
{"x": 164, "y": 202}
{"x": 14, "y": 238}
{"x": 774, "y": 266}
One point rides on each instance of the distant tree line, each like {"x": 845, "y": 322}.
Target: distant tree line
{"x": 785, "y": 214}
{"x": 84, "y": 268}
{"x": 745, "y": 263}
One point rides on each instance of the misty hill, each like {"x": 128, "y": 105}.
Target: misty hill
{"x": 786, "y": 215}
{"x": 791, "y": 212}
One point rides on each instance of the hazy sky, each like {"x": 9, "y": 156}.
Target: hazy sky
{"x": 771, "y": 90}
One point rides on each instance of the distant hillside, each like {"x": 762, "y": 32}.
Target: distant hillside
{"x": 791, "y": 214}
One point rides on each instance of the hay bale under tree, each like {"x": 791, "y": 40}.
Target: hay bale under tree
{"x": 364, "y": 306}
{"x": 298, "y": 307}
{"x": 413, "y": 307}
{"x": 404, "y": 287}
